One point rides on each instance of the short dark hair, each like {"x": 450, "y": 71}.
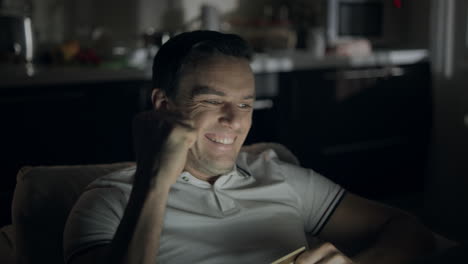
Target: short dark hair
{"x": 190, "y": 48}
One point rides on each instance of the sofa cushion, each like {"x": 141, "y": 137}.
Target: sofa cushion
{"x": 7, "y": 243}
{"x": 42, "y": 200}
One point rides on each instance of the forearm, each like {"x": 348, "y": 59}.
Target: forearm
{"x": 138, "y": 236}
{"x": 402, "y": 240}
{"x": 161, "y": 141}
{"x": 144, "y": 245}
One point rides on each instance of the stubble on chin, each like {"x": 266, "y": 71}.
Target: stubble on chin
{"x": 209, "y": 167}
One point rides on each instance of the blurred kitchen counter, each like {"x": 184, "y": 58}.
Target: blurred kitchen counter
{"x": 300, "y": 60}
{"x": 287, "y": 61}
{"x": 23, "y": 76}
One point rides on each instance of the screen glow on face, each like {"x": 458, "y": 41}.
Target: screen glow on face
{"x": 218, "y": 96}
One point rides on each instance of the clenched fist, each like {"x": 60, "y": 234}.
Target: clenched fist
{"x": 161, "y": 141}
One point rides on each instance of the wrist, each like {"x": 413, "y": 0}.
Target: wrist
{"x": 164, "y": 179}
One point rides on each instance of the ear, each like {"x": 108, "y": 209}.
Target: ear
{"x": 159, "y": 99}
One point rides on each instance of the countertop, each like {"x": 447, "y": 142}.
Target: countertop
{"x": 290, "y": 61}
{"x": 33, "y": 75}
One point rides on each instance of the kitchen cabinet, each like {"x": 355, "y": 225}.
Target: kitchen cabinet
{"x": 68, "y": 124}
{"x": 366, "y": 128}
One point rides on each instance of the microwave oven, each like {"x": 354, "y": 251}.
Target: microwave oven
{"x": 378, "y": 21}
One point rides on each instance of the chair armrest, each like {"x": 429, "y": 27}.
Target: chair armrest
{"x": 7, "y": 245}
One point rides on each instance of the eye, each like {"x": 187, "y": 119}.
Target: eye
{"x": 245, "y": 106}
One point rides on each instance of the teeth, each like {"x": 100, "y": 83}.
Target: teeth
{"x": 225, "y": 141}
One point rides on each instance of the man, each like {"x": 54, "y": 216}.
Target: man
{"x": 195, "y": 197}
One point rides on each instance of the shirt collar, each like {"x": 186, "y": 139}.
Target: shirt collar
{"x": 238, "y": 172}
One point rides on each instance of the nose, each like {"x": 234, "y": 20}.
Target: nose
{"x": 231, "y": 116}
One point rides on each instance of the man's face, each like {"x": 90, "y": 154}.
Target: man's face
{"x": 218, "y": 95}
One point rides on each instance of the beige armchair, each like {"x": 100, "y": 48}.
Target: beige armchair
{"x": 42, "y": 200}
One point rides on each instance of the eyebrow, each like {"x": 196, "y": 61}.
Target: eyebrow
{"x": 203, "y": 89}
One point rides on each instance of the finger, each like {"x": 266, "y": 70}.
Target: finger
{"x": 313, "y": 256}
{"x": 148, "y": 135}
{"x": 288, "y": 259}
{"x": 335, "y": 258}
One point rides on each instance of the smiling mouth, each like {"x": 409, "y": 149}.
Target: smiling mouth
{"x": 220, "y": 140}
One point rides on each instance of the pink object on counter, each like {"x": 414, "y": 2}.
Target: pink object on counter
{"x": 397, "y": 3}
{"x": 355, "y": 47}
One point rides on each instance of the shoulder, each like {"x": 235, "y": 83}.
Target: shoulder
{"x": 269, "y": 151}
{"x": 107, "y": 193}
{"x": 275, "y": 162}
{"x": 96, "y": 215}
{"x": 270, "y": 161}
{"x": 257, "y": 160}
{"x": 110, "y": 191}
{"x": 121, "y": 180}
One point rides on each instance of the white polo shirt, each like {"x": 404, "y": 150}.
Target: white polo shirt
{"x": 257, "y": 213}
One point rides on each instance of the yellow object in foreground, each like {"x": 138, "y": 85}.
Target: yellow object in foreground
{"x": 289, "y": 259}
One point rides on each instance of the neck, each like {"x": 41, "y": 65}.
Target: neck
{"x": 208, "y": 177}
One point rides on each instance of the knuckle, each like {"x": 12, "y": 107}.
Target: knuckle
{"x": 188, "y": 139}
{"x": 302, "y": 258}
{"x": 328, "y": 246}
{"x": 338, "y": 258}
{"x": 181, "y": 135}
